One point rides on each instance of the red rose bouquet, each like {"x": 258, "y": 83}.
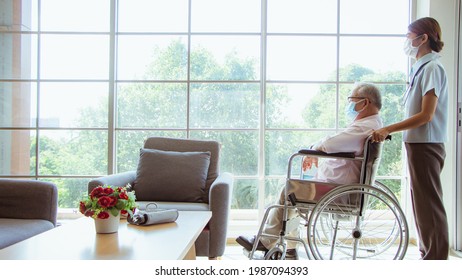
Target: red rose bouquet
{"x": 103, "y": 201}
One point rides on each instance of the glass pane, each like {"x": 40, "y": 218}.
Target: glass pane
{"x": 225, "y": 16}
{"x": 153, "y": 105}
{"x": 300, "y": 105}
{"x": 73, "y": 152}
{"x": 18, "y": 56}
{"x": 18, "y": 104}
{"x": 395, "y": 185}
{"x": 75, "y": 57}
{"x": 361, "y": 52}
{"x": 153, "y": 16}
{"x": 225, "y": 105}
{"x": 17, "y": 152}
{"x": 273, "y": 188}
{"x": 392, "y": 112}
{"x": 72, "y": 15}
{"x": 245, "y": 194}
{"x": 374, "y": 16}
{"x": 129, "y": 144}
{"x": 70, "y": 190}
{"x": 310, "y": 58}
{"x": 152, "y": 57}
{"x": 392, "y": 161}
{"x": 239, "y": 150}
{"x": 280, "y": 145}
{"x": 19, "y": 15}
{"x": 225, "y": 57}
{"x": 392, "y": 103}
{"x": 73, "y": 104}
{"x": 302, "y": 16}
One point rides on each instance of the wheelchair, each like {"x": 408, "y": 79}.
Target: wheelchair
{"x": 352, "y": 221}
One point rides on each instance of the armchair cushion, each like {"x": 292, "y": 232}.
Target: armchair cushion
{"x": 171, "y": 176}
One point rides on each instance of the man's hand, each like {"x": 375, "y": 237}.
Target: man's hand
{"x": 308, "y": 163}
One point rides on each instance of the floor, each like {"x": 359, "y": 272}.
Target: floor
{"x": 234, "y": 251}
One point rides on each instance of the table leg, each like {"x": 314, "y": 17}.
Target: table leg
{"x": 191, "y": 254}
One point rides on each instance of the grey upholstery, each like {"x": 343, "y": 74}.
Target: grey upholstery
{"x": 172, "y": 176}
{"x": 218, "y": 189}
{"x": 27, "y": 208}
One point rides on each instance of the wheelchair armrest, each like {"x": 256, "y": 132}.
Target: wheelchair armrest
{"x": 323, "y": 154}
{"x": 350, "y": 155}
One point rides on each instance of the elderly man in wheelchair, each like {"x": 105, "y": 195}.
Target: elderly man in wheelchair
{"x": 279, "y": 233}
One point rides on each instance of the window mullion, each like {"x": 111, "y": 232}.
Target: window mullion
{"x": 112, "y": 102}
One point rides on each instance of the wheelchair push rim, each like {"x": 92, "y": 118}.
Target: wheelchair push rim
{"x": 357, "y": 222}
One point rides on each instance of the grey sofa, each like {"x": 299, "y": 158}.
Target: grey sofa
{"x": 27, "y": 208}
{"x": 166, "y": 175}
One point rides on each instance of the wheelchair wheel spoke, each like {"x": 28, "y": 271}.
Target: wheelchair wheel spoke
{"x": 370, "y": 225}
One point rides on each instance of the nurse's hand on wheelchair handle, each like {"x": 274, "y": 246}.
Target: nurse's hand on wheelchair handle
{"x": 308, "y": 163}
{"x": 380, "y": 135}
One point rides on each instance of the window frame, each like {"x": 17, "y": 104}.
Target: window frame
{"x": 113, "y": 128}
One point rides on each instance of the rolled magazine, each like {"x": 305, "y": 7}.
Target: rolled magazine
{"x": 153, "y": 216}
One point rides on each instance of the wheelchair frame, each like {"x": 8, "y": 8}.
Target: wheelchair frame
{"x": 341, "y": 222}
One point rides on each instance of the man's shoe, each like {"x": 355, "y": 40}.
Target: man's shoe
{"x": 291, "y": 254}
{"x": 247, "y": 243}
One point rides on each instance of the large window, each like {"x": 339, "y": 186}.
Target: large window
{"x": 83, "y": 83}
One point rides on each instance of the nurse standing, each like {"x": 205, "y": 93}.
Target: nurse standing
{"x": 425, "y": 125}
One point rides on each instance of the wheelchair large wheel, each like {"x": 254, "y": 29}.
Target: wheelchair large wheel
{"x": 357, "y": 222}
{"x": 384, "y": 188}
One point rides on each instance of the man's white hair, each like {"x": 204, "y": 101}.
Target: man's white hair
{"x": 371, "y": 92}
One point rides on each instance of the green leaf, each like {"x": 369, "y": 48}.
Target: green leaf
{"x": 121, "y": 204}
{"x": 114, "y": 211}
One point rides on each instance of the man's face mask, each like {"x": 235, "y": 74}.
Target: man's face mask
{"x": 409, "y": 49}
{"x": 350, "y": 111}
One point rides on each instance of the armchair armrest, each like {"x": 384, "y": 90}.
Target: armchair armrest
{"x": 28, "y": 199}
{"x": 118, "y": 180}
{"x": 219, "y": 203}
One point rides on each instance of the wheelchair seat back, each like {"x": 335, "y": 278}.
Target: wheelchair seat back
{"x": 371, "y": 160}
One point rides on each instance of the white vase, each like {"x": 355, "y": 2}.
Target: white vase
{"x": 109, "y": 225}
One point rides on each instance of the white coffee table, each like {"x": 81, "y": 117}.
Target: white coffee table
{"x": 77, "y": 240}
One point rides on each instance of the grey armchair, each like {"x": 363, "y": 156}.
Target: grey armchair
{"x": 27, "y": 208}
{"x": 170, "y": 157}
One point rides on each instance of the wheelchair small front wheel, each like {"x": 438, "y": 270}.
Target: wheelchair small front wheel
{"x": 275, "y": 254}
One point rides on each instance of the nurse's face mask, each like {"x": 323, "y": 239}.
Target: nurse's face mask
{"x": 409, "y": 49}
